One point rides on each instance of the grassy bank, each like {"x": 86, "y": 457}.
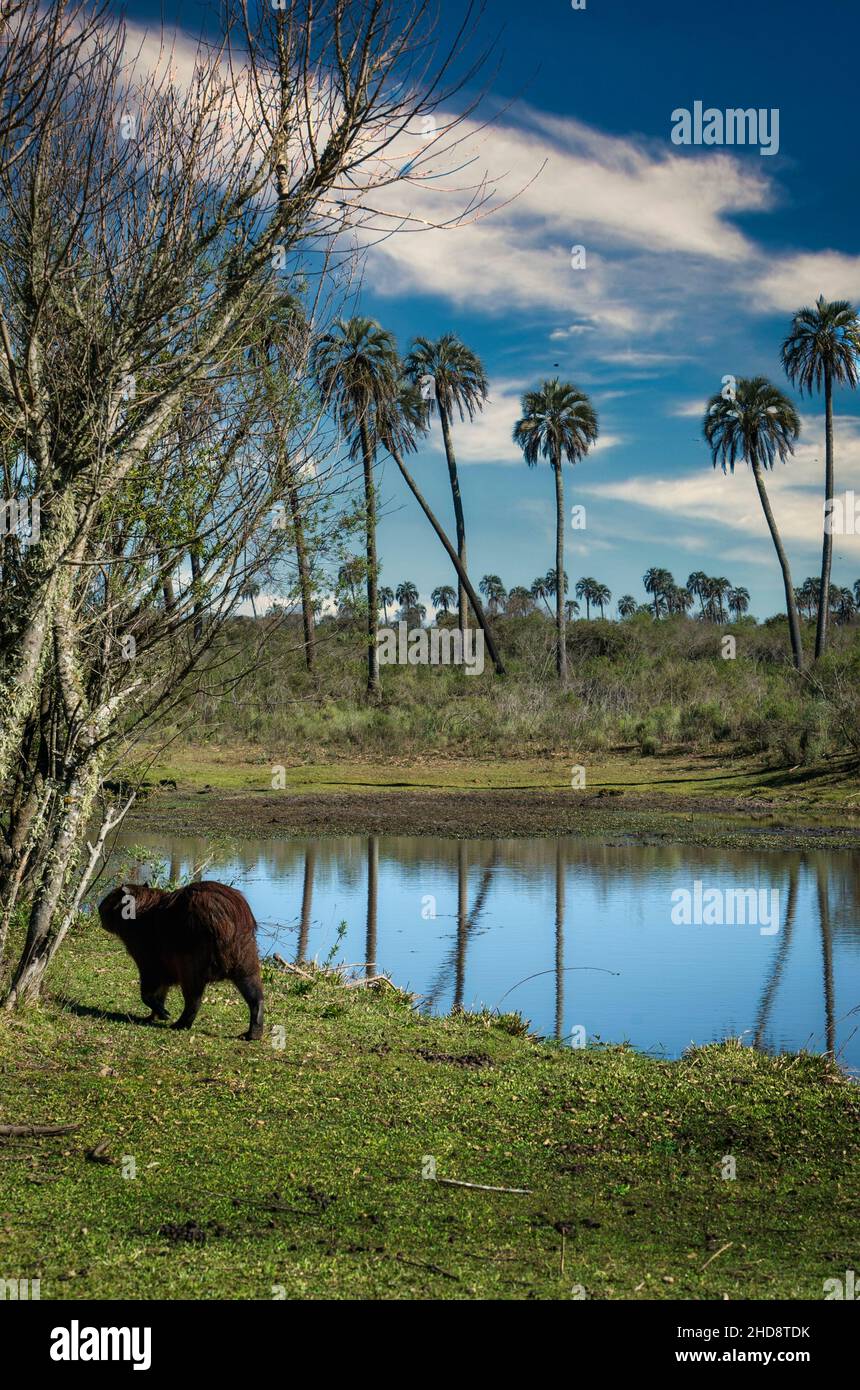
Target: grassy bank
{"x": 299, "y": 1168}
{"x": 647, "y": 688}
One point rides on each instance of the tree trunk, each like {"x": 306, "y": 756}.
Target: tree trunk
{"x": 791, "y": 603}
{"x": 827, "y": 550}
{"x": 459, "y": 519}
{"x": 372, "y": 580}
{"x": 462, "y": 925}
{"x": 559, "y": 941}
{"x": 304, "y": 576}
{"x": 561, "y": 652}
{"x": 194, "y": 556}
{"x": 42, "y": 942}
{"x": 307, "y": 901}
{"x": 455, "y": 560}
{"x": 827, "y": 957}
{"x": 370, "y": 967}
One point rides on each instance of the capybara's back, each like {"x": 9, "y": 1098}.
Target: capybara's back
{"x": 191, "y": 937}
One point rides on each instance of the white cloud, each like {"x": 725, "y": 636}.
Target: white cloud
{"x": 789, "y": 283}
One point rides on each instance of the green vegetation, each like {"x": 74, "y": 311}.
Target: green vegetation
{"x": 635, "y": 688}
{"x": 301, "y": 1168}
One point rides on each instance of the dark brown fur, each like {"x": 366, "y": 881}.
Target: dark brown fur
{"x": 198, "y": 934}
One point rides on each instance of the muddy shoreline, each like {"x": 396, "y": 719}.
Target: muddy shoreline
{"x": 493, "y": 814}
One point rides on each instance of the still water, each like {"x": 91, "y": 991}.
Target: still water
{"x": 578, "y": 937}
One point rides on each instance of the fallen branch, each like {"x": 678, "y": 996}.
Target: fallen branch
{"x": 483, "y": 1187}
{"x": 716, "y": 1254}
{"x": 34, "y": 1131}
{"x": 293, "y": 969}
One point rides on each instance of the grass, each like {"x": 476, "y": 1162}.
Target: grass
{"x": 263, "y": 1171}
{"x": 643, "y": 687}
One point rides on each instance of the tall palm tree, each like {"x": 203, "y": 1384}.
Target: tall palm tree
{"x": 626, "y": 606}
{"x": 679, "y": 599}
{"x": 821, "y": 349}
{"x": 521, "y": 601}
{"x": 358, "y": 369}
{"x": 494, "y": 592}
{"x": 845, "y": 605}
{"x": 251, "y": 592}
{"x": 443, "y": 599}
{"x": 585, "y": 590}
{"x": 738, "y": 601}
{"x": 719, "y": 588}
{"x": 558, "y": 422}
{"x": 459, "y": 383}
{"x": 601, "y": 596}
{"x": 401, "y": 421}
{"x": 386, "y": 596}
{"x": 539, "y": 591}
{"x": 697, "y": 583}
{"x": 657, "y": 583}
{"x": 760, "y": 425}
{"x": 406, "y": 595}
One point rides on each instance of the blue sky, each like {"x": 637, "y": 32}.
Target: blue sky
{"x": 696, "y": 258}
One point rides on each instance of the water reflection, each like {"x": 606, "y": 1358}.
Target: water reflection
{"x": 470, "y": 923}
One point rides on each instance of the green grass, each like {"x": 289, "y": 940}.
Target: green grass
{"x": 643, "y": 687}
{"x": 300, "y": 1169}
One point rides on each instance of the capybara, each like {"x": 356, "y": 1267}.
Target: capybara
{"x": 191, "y": 937}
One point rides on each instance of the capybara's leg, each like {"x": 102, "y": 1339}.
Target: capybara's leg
{"x": 193, "y": 996}
{"x": 251, "y": 989}
{"x": 153, "y": 993}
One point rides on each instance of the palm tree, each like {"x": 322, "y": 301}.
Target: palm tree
{"x": 657, "y": 582}
{"x": 251, "y": 591}
{"x": 520, "y": 602}
{"x": 358, "y": 370}
{"x": 857, "y": 592}
{"x": 571, "y": 609}
{"x": 807, "y": 596}
{"x": 845, "y": 605}
{"x": 822, "y": 348}
{"x": 459, "y": 383}
{"x": 349, "y": 576}
{"x": 540, "y": 591}
{"x": 406, "y": 595}
{"x": 494, "y": 592}
{"x": 679, "y": 599}
{"x": 400, "y": 423}
{"x": 551, "y": 585}
{"x": 759, "y": 425}
{"x": 558, "y": 422}
{"x": 738, "y": 601}
{"x": 386, "y": 596}
{"x": 601, "y": 596}
{"x": 585, "y": 590}
{"x": 443, "y": 599}
{"x": 626, "y": 606}
{"x": 719, "y": 589}
{"x": 697, "y": 584}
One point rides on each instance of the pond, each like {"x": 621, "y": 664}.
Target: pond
{"x": 658, "y": 945}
